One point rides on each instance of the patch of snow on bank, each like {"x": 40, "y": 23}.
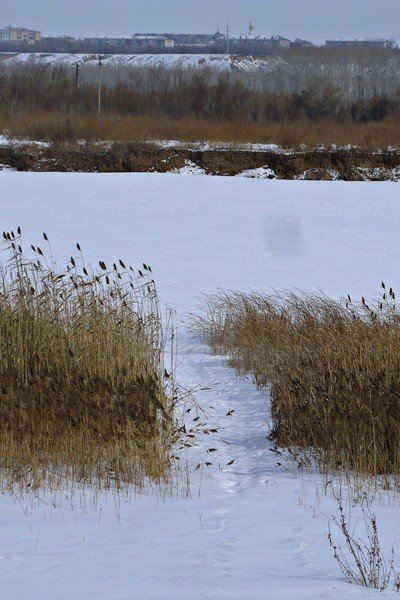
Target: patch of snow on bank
{"x": 190, "y": 168}
{"x": 258, "y": 173}
{"x": 319, "y": 175}
{"x": 378, "y": 174}
{"x": 216, "y": 146}
{"x": 17, "y": 142}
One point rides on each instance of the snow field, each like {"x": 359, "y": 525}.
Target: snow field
{"x": 252, "y": 530}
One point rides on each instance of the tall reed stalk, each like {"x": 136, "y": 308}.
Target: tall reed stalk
{"x": 82, "y": 394}
{"x": 333, "y": 370}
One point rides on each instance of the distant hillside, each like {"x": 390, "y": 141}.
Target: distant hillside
{"x": 221, "y": 62}
{"x": 358, "y": 74}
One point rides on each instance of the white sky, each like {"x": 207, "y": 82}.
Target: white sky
{"x": 316, "y": 20}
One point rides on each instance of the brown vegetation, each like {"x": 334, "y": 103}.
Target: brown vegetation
{"x": 82, "y": 397}
{"x": 47, "y": 102}
{"x": 64, "y": 129}
{"x": 333, "y": 372}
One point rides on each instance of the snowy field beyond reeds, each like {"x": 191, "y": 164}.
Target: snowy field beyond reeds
{"x": 219, "y": 62}
{"x": 254, "y": 529}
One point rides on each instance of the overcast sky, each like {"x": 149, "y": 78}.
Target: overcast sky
{"x": 316, "y": 20}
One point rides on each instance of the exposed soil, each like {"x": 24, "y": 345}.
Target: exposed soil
{"x": 347, "y": 165}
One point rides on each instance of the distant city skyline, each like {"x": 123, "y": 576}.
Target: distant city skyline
{"x": 316, "y": 20}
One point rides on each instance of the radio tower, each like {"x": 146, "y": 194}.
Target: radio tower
{"x": 251, "y": 28}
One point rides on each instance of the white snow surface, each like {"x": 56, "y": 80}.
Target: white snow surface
{"x": 5, "y": 140}
{"x": 220, "y": 62}
{"x": 216, "y": 146}
{"x": 15, "y": 142}
{"x": 190, "y": 168}
{"x": 258, "y": 173}
{"x": 251, "y": 531}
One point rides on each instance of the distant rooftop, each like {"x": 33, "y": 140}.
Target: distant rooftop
{"x": 11, "y": 28}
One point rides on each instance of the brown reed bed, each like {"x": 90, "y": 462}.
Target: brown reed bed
{"x": 82, "y": 393}
{"x": 332, "y": 369}
{"x": 63, "y": 129}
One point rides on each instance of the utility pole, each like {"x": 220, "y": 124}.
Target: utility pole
{"x": 76, "y": 76}
{"x": 227, "y": 38}
{"x": 76, "y": 67}
{"x": 12, "y": 105}
{"x": 99, "y": 88}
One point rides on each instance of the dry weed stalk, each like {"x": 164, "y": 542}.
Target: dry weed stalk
{"x": 82, "y": 396}
{"x": 363, "y": 562}
{"x": 333, "y": 371}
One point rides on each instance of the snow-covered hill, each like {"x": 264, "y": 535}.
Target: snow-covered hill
{"x": 219, "y": 62}
{"x": 357, "y": 76}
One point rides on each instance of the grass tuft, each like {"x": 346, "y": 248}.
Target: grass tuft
{"x": 332, "y": 369}
{"x": 82, "y": 395}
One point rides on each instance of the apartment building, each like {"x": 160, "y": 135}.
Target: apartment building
{"x": 152, "y": 41}
{"x": 19, "y": 35}
{"x": 136, "y": 42}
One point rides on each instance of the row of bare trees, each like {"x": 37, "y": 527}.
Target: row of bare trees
{"x": 286, "y": 93}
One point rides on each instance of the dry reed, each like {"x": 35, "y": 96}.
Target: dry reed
{"x": 61, "y": 129}
{"x": 82, "y": 396}
{"x": 332, "y": 368}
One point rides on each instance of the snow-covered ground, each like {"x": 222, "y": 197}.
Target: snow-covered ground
{"x": 220, "y": 62}
{"x": 253, "y": 530}
{"x": 16, "y": 142}
{"x": 190, "y": 168}
{"x": 5, "y": 140}
{"x": 205, "y": 146}
{"x": 258, "y": 173}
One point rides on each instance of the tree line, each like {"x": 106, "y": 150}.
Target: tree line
{"x": 256, "y": 96}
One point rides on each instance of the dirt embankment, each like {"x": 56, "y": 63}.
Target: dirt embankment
{"x": 347, "y": 165}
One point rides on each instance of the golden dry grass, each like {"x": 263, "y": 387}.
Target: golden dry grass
{"x": 69, "y": 128}
{"x": 332, "y": 368}
{"x": 82, "y": 396}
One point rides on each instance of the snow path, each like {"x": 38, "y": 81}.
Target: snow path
{"x": 252, "y": 530}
